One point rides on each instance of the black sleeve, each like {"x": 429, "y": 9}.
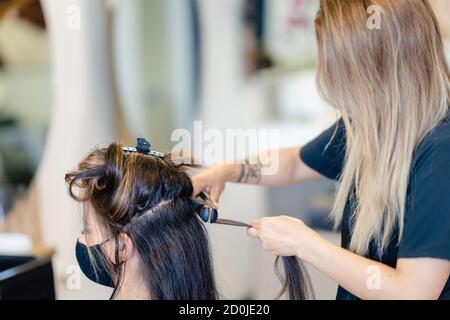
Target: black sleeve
{"x": 426, "y": 231}
{"x": 326, "y": 153}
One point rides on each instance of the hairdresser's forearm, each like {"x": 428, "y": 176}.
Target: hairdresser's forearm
{"x": 286, "y": 168}
{"x": 365, "y": 278}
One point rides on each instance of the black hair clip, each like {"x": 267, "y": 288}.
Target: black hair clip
{"x": 143, "y": 147}
{"x": 206, "y": 212}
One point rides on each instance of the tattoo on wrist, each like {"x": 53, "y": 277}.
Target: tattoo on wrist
{"x": 250, "y": 173}
{"x": 241, "y": 174}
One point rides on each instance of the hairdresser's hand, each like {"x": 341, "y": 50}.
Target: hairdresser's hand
{"x": 213, "y": 180}
{"x": 285, "y": 236}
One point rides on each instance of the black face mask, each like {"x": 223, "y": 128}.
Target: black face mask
{"x": 100, "y": 274}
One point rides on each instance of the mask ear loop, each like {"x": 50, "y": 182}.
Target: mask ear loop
{"x": 119, "y": 270}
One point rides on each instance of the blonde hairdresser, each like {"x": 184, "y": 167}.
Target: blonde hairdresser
{"x": 389, "y": 153}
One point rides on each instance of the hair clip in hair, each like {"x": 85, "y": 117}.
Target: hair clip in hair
{"x": 206, "y": 213}
{"x": 143, "y": 146}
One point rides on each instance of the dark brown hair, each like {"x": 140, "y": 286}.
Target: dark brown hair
{"x": 150, "y": 199}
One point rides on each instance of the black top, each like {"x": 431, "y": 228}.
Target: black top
{"x": 427, "y": 217}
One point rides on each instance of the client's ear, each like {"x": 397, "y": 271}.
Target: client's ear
{"x": 126, "y": 247}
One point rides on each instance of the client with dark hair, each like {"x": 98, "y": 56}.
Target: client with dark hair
{"x": 142, "y": 232}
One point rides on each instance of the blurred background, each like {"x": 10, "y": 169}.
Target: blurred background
{"x": 79, "y": 73}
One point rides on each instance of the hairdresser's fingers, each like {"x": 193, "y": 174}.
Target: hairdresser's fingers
{"x": 252, "y": 232}
{"x": 215, "y": 193}
{"x": 267, "y": 246}
{"x": 256, "y": 223}
{"x": 199, "y": 184}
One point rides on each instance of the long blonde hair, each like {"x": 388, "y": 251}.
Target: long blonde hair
{"x": 391, "y": 86}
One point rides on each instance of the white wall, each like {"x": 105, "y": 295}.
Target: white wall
{"x": 81, "y": 116}
{"x": 229, "y": 100}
